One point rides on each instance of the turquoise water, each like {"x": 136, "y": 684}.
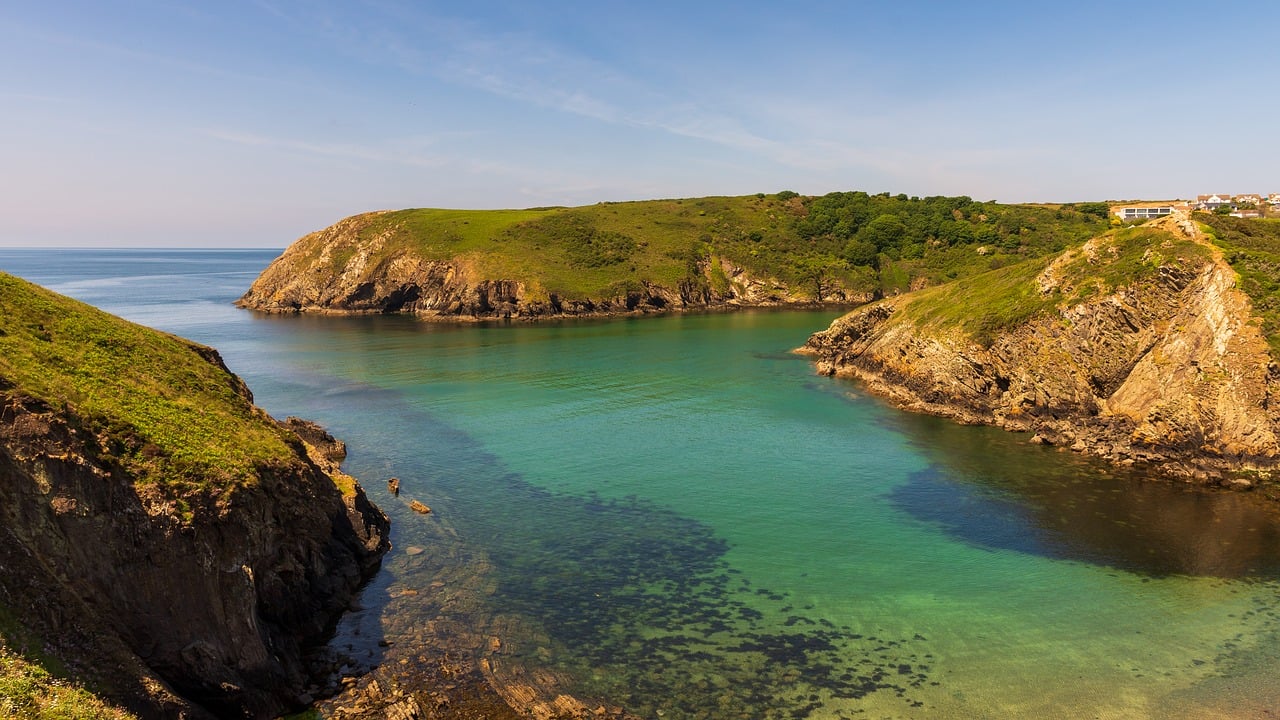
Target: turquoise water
{"x": 678, "y": 516}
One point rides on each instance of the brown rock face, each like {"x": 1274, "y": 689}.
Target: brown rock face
{"x": 178, "y": 611}
{"x": 345, "y": 268}
{"x": 1171, "y": 370}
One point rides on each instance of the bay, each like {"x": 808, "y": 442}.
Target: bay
{"x": 677, "y": 515}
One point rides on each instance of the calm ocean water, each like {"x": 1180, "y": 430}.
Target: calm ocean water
{"x": 675, "y": 514}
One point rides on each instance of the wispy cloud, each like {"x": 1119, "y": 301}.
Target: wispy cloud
{"x": 539, "y": 183}
{"x": 398, "y": 156}
{"x": 529, "y": 69}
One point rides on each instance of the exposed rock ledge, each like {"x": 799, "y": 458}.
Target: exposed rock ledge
{"x": 1170, "y": 370}
{"x": 196, "y": 617}
{"x": 340, "y": 270}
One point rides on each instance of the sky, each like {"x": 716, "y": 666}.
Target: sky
{"x": 249, "y": 123}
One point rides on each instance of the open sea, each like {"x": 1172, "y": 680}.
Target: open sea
{"x": 678, "y": 516}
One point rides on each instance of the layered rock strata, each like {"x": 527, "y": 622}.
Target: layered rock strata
{"x": 194, "y": 609}
{"x": 344, "y": 269}
{"x": 1168, "y": 368}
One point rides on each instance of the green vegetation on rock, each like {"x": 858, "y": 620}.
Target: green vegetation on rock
{"x": 167, "y": 410}
{"x": 854, "y": 241}
{"x": 983, "y": 305}
{"x": 29, "y": 692}
{"x": 1252, "y": 247}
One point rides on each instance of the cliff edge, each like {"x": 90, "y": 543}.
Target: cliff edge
{"x": 161, "y": 538}
{"x": 1136, "y": 347}
{"x": 648, "y": 256}
{"x": 548, "y": 263}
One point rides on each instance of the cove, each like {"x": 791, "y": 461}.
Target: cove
{"x": 678, "y": 516}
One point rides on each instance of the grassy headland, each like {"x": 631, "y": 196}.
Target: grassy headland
{"x": 856, "y": 241}
{"x": 165, "y": 411}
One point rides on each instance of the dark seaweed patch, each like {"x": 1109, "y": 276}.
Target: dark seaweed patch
{"x": 644, "y": 609}
{"x": 637, "y": 603}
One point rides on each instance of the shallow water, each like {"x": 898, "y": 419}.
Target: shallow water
{"x": 675, "y": 514}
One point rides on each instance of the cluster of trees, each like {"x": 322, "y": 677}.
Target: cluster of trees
{"x": 886, "y": 242}
{"x": 901, "y": 227}
{"x": 850, "y": 243}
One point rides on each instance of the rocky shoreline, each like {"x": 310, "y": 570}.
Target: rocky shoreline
{"x": 438, "y": 293}
{"x": 426, "y": 643}
{"x": 344, "y": 269}
{"x": 1168, "y": 371}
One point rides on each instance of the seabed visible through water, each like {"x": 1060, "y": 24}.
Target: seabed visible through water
{"x": 677, "y": 516}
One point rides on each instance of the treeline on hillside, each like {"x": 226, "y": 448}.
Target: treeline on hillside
{"x": 844, "y": 244}
{"x": 892, "y": 242}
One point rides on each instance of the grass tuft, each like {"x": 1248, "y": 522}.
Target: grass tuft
{"x": 29, "y": 692}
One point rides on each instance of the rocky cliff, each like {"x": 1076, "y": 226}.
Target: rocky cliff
{"x": 375, "y": 263}
{"x": 1136, "y": 347}
{"x": 180, "y": 578}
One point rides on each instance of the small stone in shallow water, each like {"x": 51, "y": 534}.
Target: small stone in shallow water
{"x": 413, "y": 550}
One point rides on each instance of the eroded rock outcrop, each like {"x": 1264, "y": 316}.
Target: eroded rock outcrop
{"x": 1140, "y": 354}
{"x": 199, "y": 607}
{"x": 351, "y": 267}
{"x": 167, "y": 541}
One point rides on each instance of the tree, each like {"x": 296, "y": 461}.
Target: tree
{"x": 1100, "y": 209}
{"x": 819, "y": 270}
{"x": 861, "y": 252}
{"x": 885, "y": 231}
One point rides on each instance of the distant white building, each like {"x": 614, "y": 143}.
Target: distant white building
{"x": 1141, "y": 212}
{"x": 1212, "y": 202}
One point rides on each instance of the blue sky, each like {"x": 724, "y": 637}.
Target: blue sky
{"x": 253, "y": 122}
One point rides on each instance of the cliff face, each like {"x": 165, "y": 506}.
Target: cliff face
{"x": 175, "y": 589}
{"x": 346, "y": 268}
{"x": 1136, "y": 349}
{"x": 217, "y": 606}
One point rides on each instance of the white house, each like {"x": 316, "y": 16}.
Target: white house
{"x": 1212, "y": 202}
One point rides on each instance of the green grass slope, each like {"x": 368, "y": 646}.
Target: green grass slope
{"x": 983, "y": 305}
{"x": 1252, "y": 247}
{"x": 173, "y": 416}
{"x": 860, "y": 242}
{"x": 29, "y": 692}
